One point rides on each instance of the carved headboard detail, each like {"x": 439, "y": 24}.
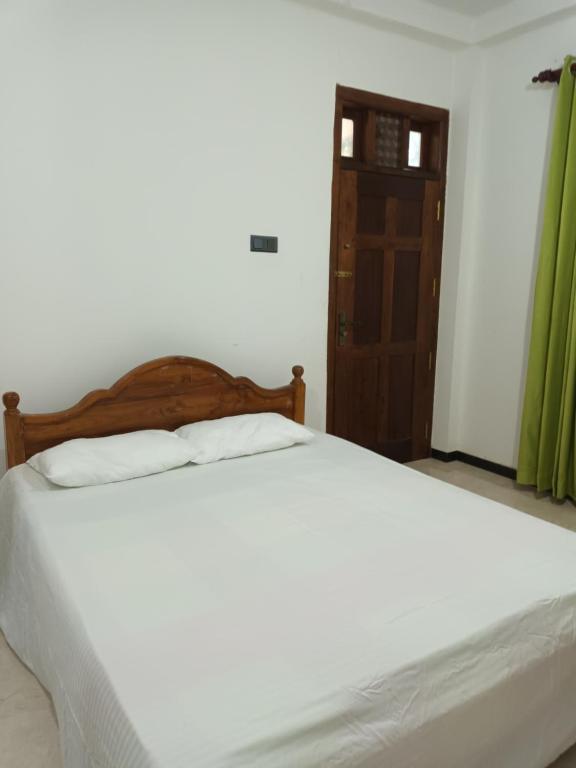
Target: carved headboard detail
{"x": 162, "y": 394}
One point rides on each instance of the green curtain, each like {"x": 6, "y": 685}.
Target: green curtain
{"x": 547, "y": 441}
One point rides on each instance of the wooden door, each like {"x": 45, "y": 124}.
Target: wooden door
{"x": 384, "y": 301}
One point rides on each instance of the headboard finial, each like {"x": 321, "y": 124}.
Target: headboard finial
{"x": 298, "y": 371}
{"x": 11, "y": 400}
{"x": 299, "y": 388}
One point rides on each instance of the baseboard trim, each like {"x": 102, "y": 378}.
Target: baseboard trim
{"x": 474, "y": 461}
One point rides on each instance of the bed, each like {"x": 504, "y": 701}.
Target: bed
{"x": 313, "y": 606}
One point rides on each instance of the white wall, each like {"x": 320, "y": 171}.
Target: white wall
{"x": 142, "y": 142}
{"x": 461, "y": 205}
{"x": 505, "y": 185}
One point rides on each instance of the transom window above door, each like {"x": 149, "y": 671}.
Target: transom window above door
{"x": 385, "y": 140}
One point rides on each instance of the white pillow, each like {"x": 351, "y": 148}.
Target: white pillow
{"x": 92, "y": 461}
{"x": 235, "y": 436}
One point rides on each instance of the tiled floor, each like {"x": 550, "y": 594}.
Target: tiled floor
{"x": 28, "y": 729}
{"x": 501, "y": 489}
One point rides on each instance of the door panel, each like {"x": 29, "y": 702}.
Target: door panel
{"x": 371, "y": 214}
{"x": 400, "y": 395}
{"x": 357, "y": 385}
{"x": 405, "y": 295}
{"x": 368, "y": 287}
{"x": 384, "y": 286}
{"x": 409, "y": 218}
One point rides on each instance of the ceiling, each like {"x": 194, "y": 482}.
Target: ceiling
{"x": 470, "y": 7}
{"x": 455, "y": 22}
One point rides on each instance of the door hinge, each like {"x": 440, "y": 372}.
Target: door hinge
{"x": 342, "y": 273}
{"x": 434, "y": 288}
{"x": 429, "y": 361}
{"x": 438, "y": 209}
{"x": 427, "y": 431}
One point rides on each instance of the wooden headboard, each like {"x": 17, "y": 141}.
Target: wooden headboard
{"x": 162, "y": 394}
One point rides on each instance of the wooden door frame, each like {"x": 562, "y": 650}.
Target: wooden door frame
{"x": 353, "y": 97}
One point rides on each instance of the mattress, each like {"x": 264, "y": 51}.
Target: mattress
{"x": 315, "y": 606}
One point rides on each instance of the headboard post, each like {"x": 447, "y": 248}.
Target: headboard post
{"x": 299, "y": 393}
{"x": 13, "y": 430}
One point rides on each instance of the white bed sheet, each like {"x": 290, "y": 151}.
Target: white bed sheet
{"x": 316, "y": 606}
